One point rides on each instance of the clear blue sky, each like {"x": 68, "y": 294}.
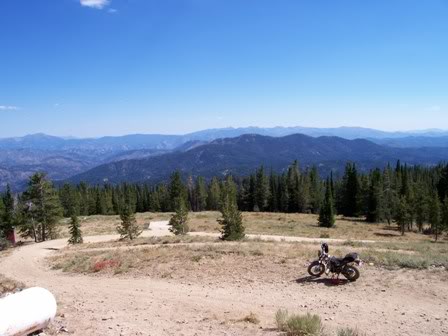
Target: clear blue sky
{"x": 95, "y": 67}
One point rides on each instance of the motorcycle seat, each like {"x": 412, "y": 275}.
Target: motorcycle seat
{"x": 351, "y": 257}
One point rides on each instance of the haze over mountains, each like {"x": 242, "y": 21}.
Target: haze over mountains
{"x": 131, "y": 157}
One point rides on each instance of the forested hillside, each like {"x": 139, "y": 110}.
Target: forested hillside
{"x": 240, "y": 156}
{"x": 411, "y": 197}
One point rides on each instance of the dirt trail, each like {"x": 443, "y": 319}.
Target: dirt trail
{"x": 380, "y": 303}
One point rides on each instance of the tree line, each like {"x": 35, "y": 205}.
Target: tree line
{"x": 415, "y": 198}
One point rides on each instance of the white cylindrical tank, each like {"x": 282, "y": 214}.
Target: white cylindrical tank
{"x": 27, "y": 311}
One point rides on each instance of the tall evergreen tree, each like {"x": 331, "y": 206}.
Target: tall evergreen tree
{"x": 293, "y": 183}
{"x": 442, "y": 185}
{"x": 316, "y": 191}
{"x": 261, "y": 190}
{"x": 75, "y": 231}
{"x": 179, "y": 221}
{"x": 402, "y": 214}
{"x": 128, "y": 228}
{"x": 200, "y": 194}
{"x": 444, "y": 219}
{"x": 326, "y": 215}
{"x": 231, "y": 219}
{"x": 214, "y": 196}
{"x": 435, "y": 216}
{"x": 351, "y": 192}
{"x": 7, "y": 220}
{"x": 43, "y": 209}
{"x": 177, "y": 190}
{"x": 2, "y": 214}
{"x": 374, "y": 199}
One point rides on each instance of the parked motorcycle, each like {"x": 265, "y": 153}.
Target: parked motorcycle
{"x": 328, "y": 264}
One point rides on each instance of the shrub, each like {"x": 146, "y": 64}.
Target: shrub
{"x": 4, "y": 243}
{"x": 101, "y": 265}
{"x": 280, "y": 319}
{"x": 251, "y": 318}
{"x": 298, "y": 325}
{"x": 349, "y": 332}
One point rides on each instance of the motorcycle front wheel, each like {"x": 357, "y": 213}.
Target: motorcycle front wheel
{"x": 351, "y": 273}
{"x": 316, "y": 269}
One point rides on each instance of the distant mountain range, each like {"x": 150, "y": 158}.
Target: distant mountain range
{"x": 63, "y": 158}
{"x": 243, "y": 154}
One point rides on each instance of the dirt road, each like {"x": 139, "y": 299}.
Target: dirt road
{"x": 381, "y": 303}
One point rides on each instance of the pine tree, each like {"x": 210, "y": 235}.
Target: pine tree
{"x": 179, "y": 221}
{"x": 444, "y": 222}
{"x": 75, "y": 231}
{"x": 2, "y": 214}
{"x": 7, "y": 218}
{"x": 435, "y": 216}
{"x": 402, "y": 214}
{"x": 214, "y": 196}
{"x": 351, "y": 192}
{"x": 326, "y": 215}
{"x": 374, "y": 199}
{"x": 232, "y": 220}
{"x": 261, "y": 190}
{"x": 421, "y": 210}
{"x": 273, "y": 193}
{"x": 177, "y": 190}
{"x": 389, "y": 195}
{"x": 442, "y": 185}
{"x": 128, "y": 229}
{"x": 294, "y": 187}
{"x": 200, "y": 194}
{"x": 43, "y": 209}
{"x": 316, "y": 191}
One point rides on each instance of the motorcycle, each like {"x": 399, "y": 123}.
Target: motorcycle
{"x": 326, "y": 264}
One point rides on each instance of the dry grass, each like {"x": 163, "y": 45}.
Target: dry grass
{"x": 195, "y": 261}
{"x": 104, "y": 225}
{"x": 142, "y": 241}
{"x": 298, "y": 325}
{"x": 247, "y": 261}
{"x": 301, "y": 225}
{"x": 9, "y": 286}
{"x": 251, "y": 318}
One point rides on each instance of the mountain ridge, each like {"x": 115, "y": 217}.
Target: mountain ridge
{"x": 241, "y": 155}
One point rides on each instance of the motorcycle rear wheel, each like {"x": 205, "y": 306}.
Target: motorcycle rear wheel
{"x": 351, "y": 273}
{"x": 316, "y": 269}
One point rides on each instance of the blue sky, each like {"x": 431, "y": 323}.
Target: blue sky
{"x": 96, "y": 67}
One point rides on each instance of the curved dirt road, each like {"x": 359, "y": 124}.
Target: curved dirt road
{"x": 381, "y": 303}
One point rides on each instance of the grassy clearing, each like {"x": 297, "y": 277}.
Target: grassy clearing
{"x": 301, "y": 225}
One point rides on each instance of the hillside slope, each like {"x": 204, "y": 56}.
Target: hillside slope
{"x": 241, "y": 155}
